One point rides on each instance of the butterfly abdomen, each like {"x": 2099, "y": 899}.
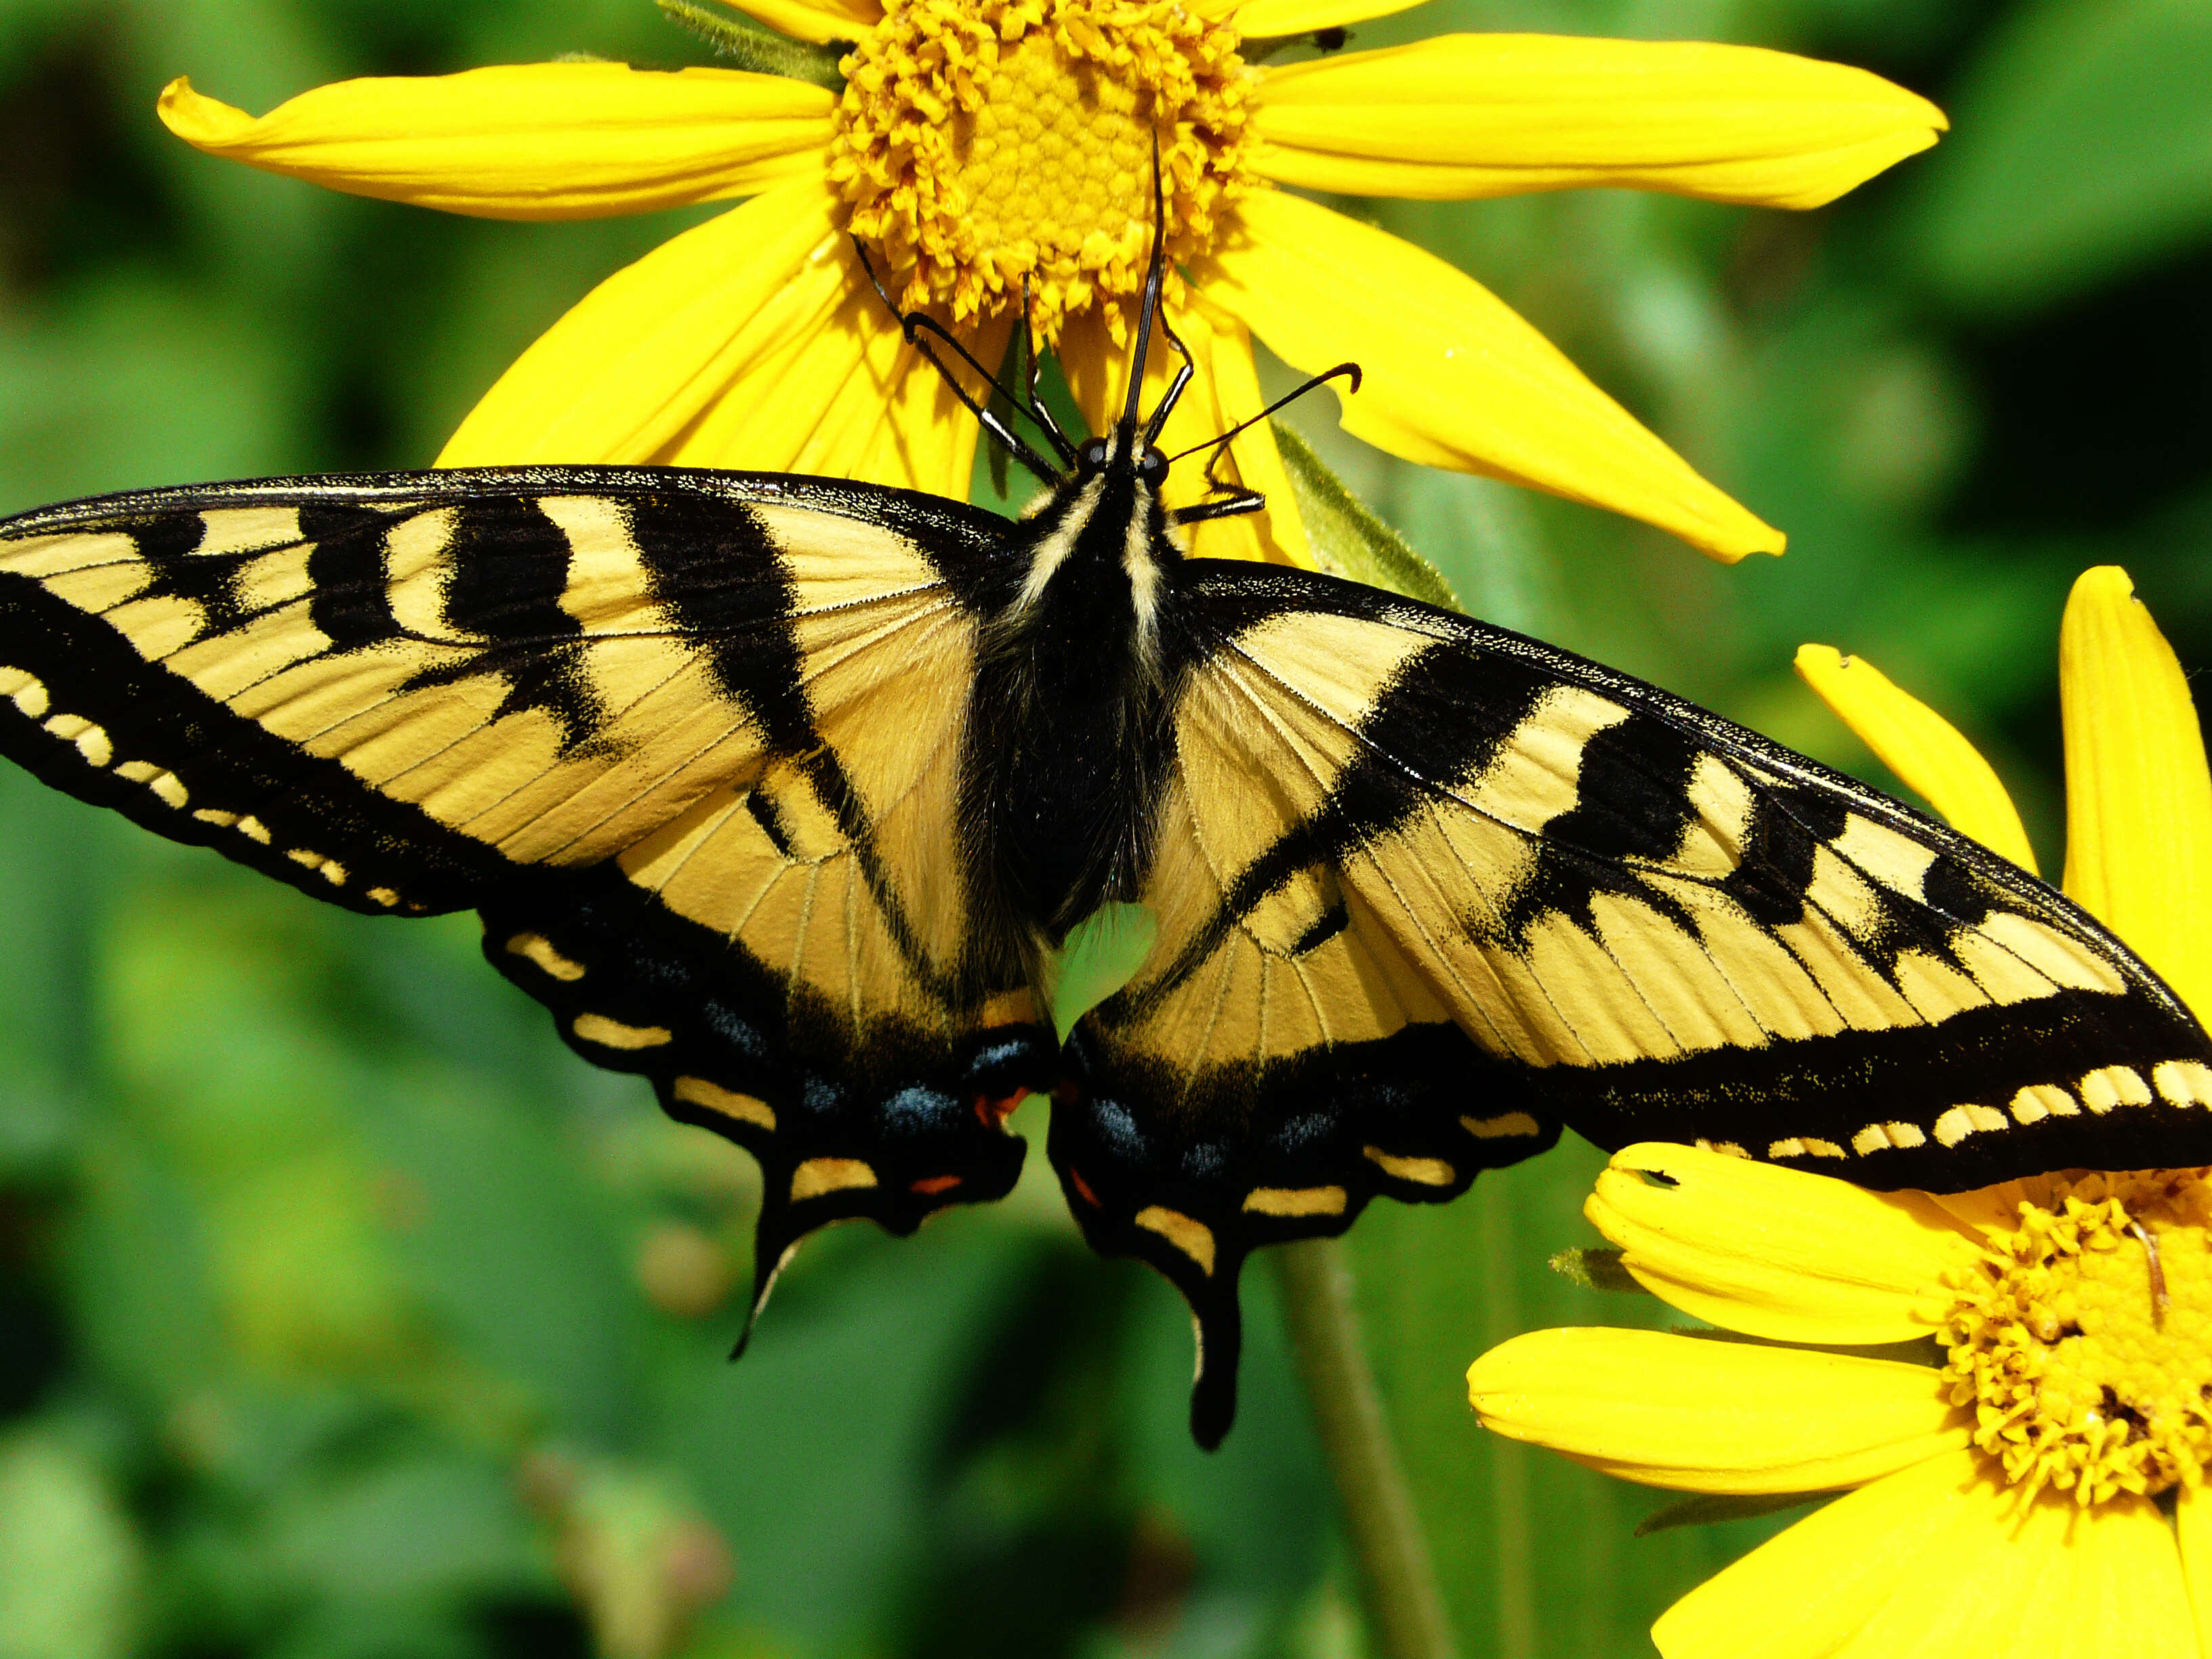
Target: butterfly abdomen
{"x": 1067, "y": 741}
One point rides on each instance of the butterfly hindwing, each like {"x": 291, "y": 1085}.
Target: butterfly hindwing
{"x": 1428, "y": 892}
{"x": 687, "y": 741}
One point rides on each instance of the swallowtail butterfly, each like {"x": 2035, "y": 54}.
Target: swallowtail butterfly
{"x": 789, "y": 794}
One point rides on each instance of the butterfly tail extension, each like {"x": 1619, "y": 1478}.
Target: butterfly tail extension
{"x": 1265, "y": 1154}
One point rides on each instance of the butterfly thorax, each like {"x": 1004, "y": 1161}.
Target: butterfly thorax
{"x": 1066, "y": 739}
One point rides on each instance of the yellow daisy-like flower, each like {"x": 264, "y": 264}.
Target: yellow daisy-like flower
{"x": 2038, "y": 1487}
{"x": 988, "y": 150}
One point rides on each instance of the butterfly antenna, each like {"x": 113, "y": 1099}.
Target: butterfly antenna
{"x": 912, "y": 324}
{"x": 1155, "y": 274}
{"x": 1341, "y": 372}
{"x": 1245, "y": 501}
{"x": 1058, "y": 439}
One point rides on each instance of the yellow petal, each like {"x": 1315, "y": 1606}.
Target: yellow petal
{"x": 815, "y": 20}
{"x": 1223, "y": 390}
{"x": 1989, "y": 1211}
{"x": 1707, "y": 1415}
{"x": 1455, "y": 378}
{"x": 1774, "y": 1252}
{"x": 1498, "y": 114}
{"x": 1263, "y": 18}
{"x": 1938, "y": 1561}
{"x": 2138, "y": 799}
{"x": 848, "y": 398}
{"x": 528, "y": 141}
{"x": 639, "y": 358}
{"x": 2192, "y": 1525}
{"x": 1924, "y": 749}
{"x": 2110, "y": 1583}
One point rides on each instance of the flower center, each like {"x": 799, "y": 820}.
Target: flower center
{"x": 985, "y": 145}
{"x": 2084, "y": 1339}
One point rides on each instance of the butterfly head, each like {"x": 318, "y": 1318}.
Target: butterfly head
{"x": 1099, "y": 454}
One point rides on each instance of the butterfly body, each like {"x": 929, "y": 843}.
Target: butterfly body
{"x": 1069, "y": 740}
{"x": 794, "y": 796}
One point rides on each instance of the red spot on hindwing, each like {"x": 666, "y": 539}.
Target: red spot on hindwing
{"x": 993, "y": 1114}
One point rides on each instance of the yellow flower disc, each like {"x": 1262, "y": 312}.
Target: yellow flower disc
{"x": 984, "y": 143}
{"x": 2084, "y": 1339}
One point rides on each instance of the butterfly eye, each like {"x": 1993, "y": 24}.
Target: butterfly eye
{"x": 1152, "y": 467}
{"x": 1093, "y": 458}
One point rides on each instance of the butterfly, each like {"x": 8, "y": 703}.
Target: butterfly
{"x": 850, "y": 817}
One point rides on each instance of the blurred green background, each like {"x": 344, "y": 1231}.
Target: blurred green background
{"x": 344, "y": 1315}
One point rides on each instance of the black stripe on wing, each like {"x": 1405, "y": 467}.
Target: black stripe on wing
{"x": 94, "y": 718}
{"x": 510, "y": 570}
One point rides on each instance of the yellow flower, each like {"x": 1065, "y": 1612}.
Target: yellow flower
{"x": 2029, "y": 1478}
{"x": 2138, "y": 792}
{"x": 988, "y": 149}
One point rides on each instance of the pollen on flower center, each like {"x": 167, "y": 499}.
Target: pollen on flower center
{"x": 2086, "y": 1351}
{"x": 984, "y": 143}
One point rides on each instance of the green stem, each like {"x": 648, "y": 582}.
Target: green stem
{"x": 1397, "y": 1581}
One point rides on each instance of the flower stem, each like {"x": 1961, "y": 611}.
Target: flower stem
{"x": 1404, "y": 1612}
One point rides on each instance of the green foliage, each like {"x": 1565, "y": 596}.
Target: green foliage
{"x": 1100, "y": 955}
{"x": 743, "y": 43}
{"x": 2084, "y": 150}
{"x": 344, "y": 1314}
{"x": 1349, "y": 538}
{"x": 69, "y": 1562}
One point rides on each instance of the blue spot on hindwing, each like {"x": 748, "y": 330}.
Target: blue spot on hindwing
{"x": 915, "y": 1109}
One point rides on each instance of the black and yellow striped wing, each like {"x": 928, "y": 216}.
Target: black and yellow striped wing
{"x": 690, "y": 743}
{"x": 1428, "y": 892}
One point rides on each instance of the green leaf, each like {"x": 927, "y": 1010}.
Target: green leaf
{"x": 1597, "y": 1269}
{"x": 411, "y": 1526}
{"x": 1100, "y": 955}
{"x": 750, "y": 46}
{"x": 2084, "y": 148}
{"x": 1706, "y": 1508}
{"x": 1349, "y": 538}
{"x": 70, "y": 1565}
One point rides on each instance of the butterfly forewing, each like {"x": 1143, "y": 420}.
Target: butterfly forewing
{"x": 687, "y": 742}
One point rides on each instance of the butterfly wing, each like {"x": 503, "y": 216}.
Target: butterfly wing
{"x": 1426, "y": 892}
{"x": 690, "y": 742}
